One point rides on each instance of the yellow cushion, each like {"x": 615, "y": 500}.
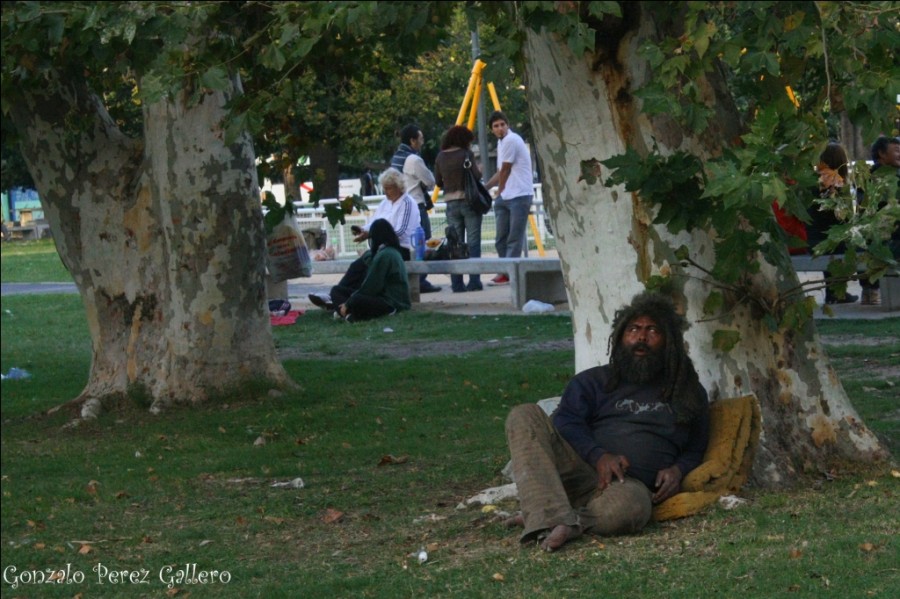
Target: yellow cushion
{"x": 734, "y": 427}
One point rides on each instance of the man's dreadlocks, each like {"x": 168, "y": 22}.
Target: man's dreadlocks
{"x": 682, "y": 385}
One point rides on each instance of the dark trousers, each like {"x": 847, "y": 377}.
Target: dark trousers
{"x": 354, "y": 277}
{"x": 367, "y": 307}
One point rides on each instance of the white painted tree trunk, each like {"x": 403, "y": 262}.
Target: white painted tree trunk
{"x": 164, "y": 241}
{"x": 583, "y": 109}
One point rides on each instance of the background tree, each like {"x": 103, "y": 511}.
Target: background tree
{"x": 315, "y": 66}
{"x": 161, "y": 230}
{"x": 637, "y": 96}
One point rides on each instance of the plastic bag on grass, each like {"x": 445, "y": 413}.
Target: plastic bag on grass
{"x": 536, "y": 307}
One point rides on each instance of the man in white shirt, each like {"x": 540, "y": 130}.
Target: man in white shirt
{"x": 515, "y": 191}
{"x": 419, "y": 181}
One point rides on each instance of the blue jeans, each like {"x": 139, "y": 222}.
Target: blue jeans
{"x": 512, "y": 218}
{"x": 467, "y": 224}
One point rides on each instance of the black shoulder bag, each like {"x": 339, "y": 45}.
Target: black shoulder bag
{"x": 476, "y": 194}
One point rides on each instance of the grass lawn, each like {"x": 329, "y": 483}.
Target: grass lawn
{"x": 390, "y": 431}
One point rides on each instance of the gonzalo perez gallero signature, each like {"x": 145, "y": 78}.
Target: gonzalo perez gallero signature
{"x": 101, "y": 574}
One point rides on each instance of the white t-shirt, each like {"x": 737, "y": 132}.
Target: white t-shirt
{"x": 512, "y": 149}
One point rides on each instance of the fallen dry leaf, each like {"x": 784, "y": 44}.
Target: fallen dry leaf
{"x": 146, "y": 539}
{"x": 498, "y": 577}
{"x": 260, "y": 441}
{"x": 895, "y": 473}
{"x": 796, "y": 554}
{"x": 39, "y": 545}
{"x": 332, "y": 515}
{"x": 92, "y": 487}
{"x": 868, "y": 547}
{"x": 122, "y": 495}
{"x": 391, "y": 460}
{"x": 85, "y": 549}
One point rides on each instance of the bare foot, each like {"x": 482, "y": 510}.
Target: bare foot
{"x": 515, "y": 521}
{"x": 559, "y": 536}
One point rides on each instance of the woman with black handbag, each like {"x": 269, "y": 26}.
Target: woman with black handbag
{"x": 450, "y": 174}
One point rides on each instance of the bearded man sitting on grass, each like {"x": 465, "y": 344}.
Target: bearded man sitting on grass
{"x": 622, "y": 438}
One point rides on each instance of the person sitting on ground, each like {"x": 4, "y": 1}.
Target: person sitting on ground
{"x": 385, "y": 289}
{"x": 401, "y": 212}
{"x": 622, "y": 438}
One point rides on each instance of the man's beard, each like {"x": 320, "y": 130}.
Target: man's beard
{"x": 639, "y": 370}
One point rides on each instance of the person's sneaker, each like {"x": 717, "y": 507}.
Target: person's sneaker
{"x": 474, "y": 287}
{"x": 499, "y": 280}
{"x": 427, "y": 287}
{"x": 321, "y": 300}
{"x": 832, "y": 298}
{"x": 870, "y": 297}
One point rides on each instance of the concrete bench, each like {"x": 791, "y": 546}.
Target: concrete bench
{"x": 890, "y": 283}
{"x": 529, "y": 278}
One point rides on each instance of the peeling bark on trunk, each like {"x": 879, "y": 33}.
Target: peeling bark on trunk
{"x": 164, "y": 241}
{"x": 584, "y": 110}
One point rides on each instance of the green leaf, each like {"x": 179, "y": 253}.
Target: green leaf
{"x": 335, "y": 214}
{"x": 725, "y": 340}
{"x": 714, "y": 302}
{"x": 273, "y": 58}
{"x": 598, "y": 9}
{"x": 215, "y": 78}
{"x": 235, "y": 126}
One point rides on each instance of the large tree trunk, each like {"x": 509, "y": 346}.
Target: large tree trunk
{"x": 583, "y": 109}
{"x": 164, "y": 241}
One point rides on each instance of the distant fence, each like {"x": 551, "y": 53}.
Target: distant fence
{"x": 341, "y": 238}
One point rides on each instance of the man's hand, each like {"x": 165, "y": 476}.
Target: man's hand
{"x": 668, "y": 482}
{"x": 611, "y": 465}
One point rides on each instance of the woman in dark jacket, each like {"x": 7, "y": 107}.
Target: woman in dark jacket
{"x": 385, "y": 289}
{"x": 449, "y": 174}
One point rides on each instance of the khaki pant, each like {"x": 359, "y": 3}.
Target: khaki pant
{"x": 557, "y": 487}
